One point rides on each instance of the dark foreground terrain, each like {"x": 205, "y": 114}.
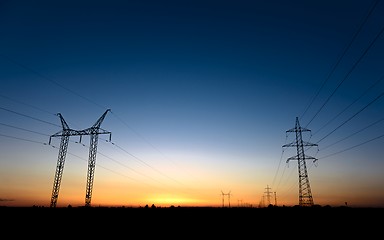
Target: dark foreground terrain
{"x": 192, "y": 222}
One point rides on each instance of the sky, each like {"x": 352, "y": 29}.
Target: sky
{"x": 199, "y": 99}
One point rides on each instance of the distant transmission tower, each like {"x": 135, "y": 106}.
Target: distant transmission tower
{"x": 305, "y": 195}
{"x": 229, "y": 198}
{"x": 268, "y": 195}
{"x": 65, "y": 133}
{"x": 274, "y": 193}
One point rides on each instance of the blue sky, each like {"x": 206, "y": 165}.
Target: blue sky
{"x": 201, "y": 96}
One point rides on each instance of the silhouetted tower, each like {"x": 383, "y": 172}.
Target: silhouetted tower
{"x": 222, "y": 198}
{"x": 275, "y": 198}
{"x": 94, "y": 132}
{"x": 268, "y": 195}
{"x": 229, "y": 198}
{"x": 65, "y": 133}
{"x": 305, "y": 195}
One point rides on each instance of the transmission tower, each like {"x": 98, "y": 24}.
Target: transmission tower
{"x": 268, "y": 195}
{"x": 229, "y": 198}
{"x": 274, "y": 193}
{"x": 65, "y": 133}
{"x": 305, "y": 195}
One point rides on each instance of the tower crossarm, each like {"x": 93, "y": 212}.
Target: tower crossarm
{"x": 298, "y": 129}
{"x": 306, "y": 157}
{"x": 67, "y": 133}
{"x": 90, "y": 131}
{"x": 304, "y": 144}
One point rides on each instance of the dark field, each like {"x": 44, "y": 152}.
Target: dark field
{"x": 194, "y": 222}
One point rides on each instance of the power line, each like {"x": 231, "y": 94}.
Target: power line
{"x": 26, "y": 104}
{"x": 348, "y": 73}
{"x": 113, "y": 143}
{"x": 37, "y": 119}
{"x": 355, "y": 146}
{"x": 49, "y": 144}
{"x": 121, "y": 164}
{"x": 24, "y": 115}
{"x": 84, "y": 98}
{"x": 144, "y": 139}
{"x": 365, "y": 92}
{"x": 44, "y": 143}
{"x": 372, "y": 124}
{"x": 50, "y": 80}
{"x": 354, "y": 115}
{"x": 23, "y": 139}
{"x": 278, "y": 167}
{"x": 341, "y": 57}
{"x": 146, "y": 164}
{"x": 24, "y": 129}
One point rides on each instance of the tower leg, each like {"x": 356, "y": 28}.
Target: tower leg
{"x": 91, "y": 168}
{"x": 59, "y": 169}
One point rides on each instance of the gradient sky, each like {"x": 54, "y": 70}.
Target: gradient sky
{"x": 201, "y": 96}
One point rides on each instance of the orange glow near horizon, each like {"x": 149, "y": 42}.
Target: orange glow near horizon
{"x": 166, "y": 200}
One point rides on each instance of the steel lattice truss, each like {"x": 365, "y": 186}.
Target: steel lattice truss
{"x": 305, "y": 194}
{"x": 65, "y": 133}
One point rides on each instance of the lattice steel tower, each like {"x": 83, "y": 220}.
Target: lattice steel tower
{"x": 305, "y": 194}
{"x": 65, "y": 133}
